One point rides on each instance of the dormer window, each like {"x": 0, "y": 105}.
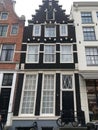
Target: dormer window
{"x": 36, "y": 30}
{"x": 63, "y": 30}
{"x": 4, "y": 16}
{"x": 50, "y": 30}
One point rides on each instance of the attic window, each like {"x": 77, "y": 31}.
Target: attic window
{"x": 50, "y": 13}
{"x": 36, "y": 30}
{"x": 50, "y": 30}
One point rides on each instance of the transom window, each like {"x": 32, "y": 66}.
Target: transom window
{"x": 91, "y": 55}
{"x": 7, "y": 52}
{"x": 89, "y": 34}
{"x": 49, "y": 53}
{"x": 50, "y": 30}
{"x": 66, "y": 54}
{"x": 33, "y": 53}
{"x": 48, "y": 94}
{"x": 3, "y": 15}
{"x": 86, "y": 17}
{"x": 67, "y": 81}
{"x": 63, "y": 30}
{"x": 3, "y": 30}
{"x": 29, "y": 94}
{"x": 14, "y": 29}
{"x": 36, "y": 30}
{"x": 7, "y": 79}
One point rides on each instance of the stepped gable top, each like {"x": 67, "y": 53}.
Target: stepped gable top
{"x": 50, "y": 11}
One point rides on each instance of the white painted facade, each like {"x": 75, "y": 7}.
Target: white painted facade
{"x": 91, "y": 71}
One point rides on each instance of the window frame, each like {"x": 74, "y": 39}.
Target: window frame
{"x": 32, "y": 53}
{"x": 34, "y": 30}
{"x": 92, "y": 56}
{"x": 2, "y": 30}
{"x": 48, "y": 114}
{"x": 13, "y": 27}
{"x": 1, "y": 14}
{"x": 24, "y": 83}
{"x": 86, "y": 17}
{"x": 12, "y": 51}
{"x": 62, "y": 33}
{"x": 47, "y": 35}
{"x": 65, "y": 54}
{"x": 54, "y": 54}
{"x": 87, "y": 33}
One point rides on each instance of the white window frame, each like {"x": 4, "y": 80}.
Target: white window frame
{"x": 91, "y": 56}
{"x": 47, "y": 35}
{"x": 14, "y": 27}
{"x": 53, "y": 15}
{"x": 54, "y": 54}
{"x": 20, "y": 110}
{"x": 32, "y": 53}
{"x": 66, "y": 54}
{"x": 62, "y": 32}
{"x": 2, "y": 14}
{"x": 6, "y": 31}
{"x": 34, "y": 30}
{"x": 48, "y": 114}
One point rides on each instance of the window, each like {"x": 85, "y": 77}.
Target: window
{"x": 3, "y": 30}
{"x": 14, "y": 29}
{"x": 29, "y": 94}
{"x": 97, "y": 14}
{"x": 36, "y": 30}
{"x": 7, "y": 79}
{"x": 63, "y": 30}
{"x": 48, "y": 94}
{"x": 50, "y": 31}
{"x": 86, "y": 17}
{"x": 89, "y": 34}
{"x": 7, "y": 52}
{"x": 3, "y": 15}
{"x": 66, "y": 54}
{"x": 91, "y": 55}
{"x": 49, "y": 53}
{"x": 67, "y": 81}
{"x": 33, "y": 53}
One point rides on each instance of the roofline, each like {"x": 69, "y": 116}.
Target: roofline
{"x": 86, "y": 3}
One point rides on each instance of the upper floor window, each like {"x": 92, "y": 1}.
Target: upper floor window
{"x": 66, "y": 81}
{"x": 7, "y": 52}
{"x": 63, "y": 30}
{"x": 48, "y": 95}
{"x": 86, "y": 17}
{"x": 3, "y": 30}
{"x": 91, "y": 55}
{"x": 89, "y": 34}
{"x": 66, "y": 54}
{"x": 29, "y": 94}
{"x": 97, "y": 14}
{"x": 7, "y": 79}
{"x": 50, "y": 30}
{"x": 36, "y": 30}
{"x": 14, "y": 29}
{"x": 49, "y": 53}
{"x": 33, "y": 53}
{"x": 3, "y": 15}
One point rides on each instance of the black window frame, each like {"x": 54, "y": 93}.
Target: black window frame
{"x": 7, "y": 79}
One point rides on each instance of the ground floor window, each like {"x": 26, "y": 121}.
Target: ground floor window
{"x": 92, "y": 93}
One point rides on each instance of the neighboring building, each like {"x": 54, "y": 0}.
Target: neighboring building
{"x": 48, "y": 80}
{"x": 85, "y": 15}
{"x": 11, "y": 33}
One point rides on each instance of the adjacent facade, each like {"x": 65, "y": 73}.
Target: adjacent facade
{"x": 11, "y": 32}
{"x": 48, "y": 79}
{"x": 85, "y": 15}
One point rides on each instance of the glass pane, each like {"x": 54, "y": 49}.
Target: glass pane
{"x": 67, "y": 82}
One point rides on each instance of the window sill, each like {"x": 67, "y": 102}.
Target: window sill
{"x": 8, "y": 62}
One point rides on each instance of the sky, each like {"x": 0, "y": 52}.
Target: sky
{"x": 28, "y": 7}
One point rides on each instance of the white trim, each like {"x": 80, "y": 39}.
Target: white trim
{"x": 12, "y": 28}
{"x": 6, "y": 31}
{"x": 34, "y": 30}
{"x": 1, "y": 15}
{"x": 66, "y": 28}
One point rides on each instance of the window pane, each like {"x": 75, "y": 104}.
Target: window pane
{"x": 7, "y": 52}
{"x": 67, "y": 82}
{"x": 49, "y": 53}
{"x": 4, "y": 15}
{"x": 14, "y": 29}
{"x": 92, "y": 55}
{"x": 29, "y": 94}
{"x": 36, "y": 30}
{"x": 48, "y": 95}
{"x": 50, "y": 31}
{"x": 86, "y": 17}
{"x": 7, "y": 79}
{"x": 3, "y": 30}
{"x": 63, "y": 30}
